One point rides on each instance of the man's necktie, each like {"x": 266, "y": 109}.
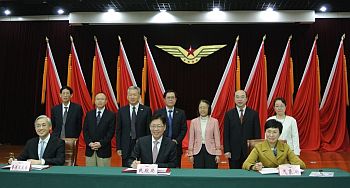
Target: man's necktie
{"x": 63, "y": 130}
{"x": 241, "y": 116}
{"x": 42, "y": 149}
{"x": 155, "y": 151}
{"x": 98, "y": 117}
{"x": 133, "y": 123}
{"x": 170, "y": 124}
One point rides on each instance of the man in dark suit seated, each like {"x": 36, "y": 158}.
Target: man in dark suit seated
{"x": 155, "y": 148}
{"x": 176, "y": 122}
{"x": 99, "y": 126}
{"x": 66, "y": 117}
{"x": 44, "y": 149}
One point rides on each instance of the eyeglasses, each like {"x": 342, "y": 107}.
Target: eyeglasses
{"x": 40, "y": 126}
{"x": 156, "y": 126}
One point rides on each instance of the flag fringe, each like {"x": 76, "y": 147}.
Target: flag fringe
{"x": 238, "y": 74}
{"x": 69, "y": 74}
{"x": 144, "y": 79}
{"x": 93, "y": 80}
{"x": 118, "y": 80}
{"x": 43, "y": 88}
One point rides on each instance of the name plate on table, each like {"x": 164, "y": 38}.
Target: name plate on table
{"x": 22, "y": 166}
{"x": 147, "y": 169}
{"x": 289, "y": 170}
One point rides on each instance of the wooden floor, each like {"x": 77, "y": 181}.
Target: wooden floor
{"x": 312, "y": 159}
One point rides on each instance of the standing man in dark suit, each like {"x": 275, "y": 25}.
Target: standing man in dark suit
{"x": 241, "y": 124}
{"x": 155, "y": 148}
{"x": 99, "y": 126}
{"x": 66, "y": 117}
{"x": 176, "y": 122}
{"x": 44, "y": 149}
{"x": 132, "y": 123}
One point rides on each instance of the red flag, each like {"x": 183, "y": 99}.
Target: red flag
{"x": 125, "y": 77}
{"x": 224, "y": 98}
{"x": 51, "y": 86}
{"x": 156, "y": 88}
{"x": 305, "y": 109}
{"x": 101, "y": 82}
{"x": 334, "y": 133}
{"x": 283, "y": 86}
{"x": 256, "y": 87}
{"x": 76, "y": 81}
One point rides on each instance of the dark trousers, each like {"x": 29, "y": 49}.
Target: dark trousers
{"x": 237, "y": 163}
{"x": 204, "y": 160}
{"x": 126, "y": 155}
{"x": 178, "y": 156}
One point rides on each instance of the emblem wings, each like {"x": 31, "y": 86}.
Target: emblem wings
{"x": 202, "y": 51}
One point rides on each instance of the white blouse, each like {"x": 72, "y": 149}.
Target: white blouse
{"x": 289, "y": 132}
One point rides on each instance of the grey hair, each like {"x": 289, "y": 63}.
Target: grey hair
{"x": 42, "y": 117}
{"x": 134, "y": 88}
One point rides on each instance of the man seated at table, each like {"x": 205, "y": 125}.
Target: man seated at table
{"x": 44, "y": 149}
{"x": 271, "y": 152}
{"x": 155, "y": 148}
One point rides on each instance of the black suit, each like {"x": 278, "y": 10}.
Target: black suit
{"x": 73, "y": 121}
{"x": 143, "y": 152}
{"x": 179, "y": 128}
{"x": 103, "y": 132}
{"x": 54, "y": 153}
{"x": 237, "y": 134}
{"x": 124, "y": 141}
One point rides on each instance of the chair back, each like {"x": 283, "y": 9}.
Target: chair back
{"x": 71, "y": 151}
{"x": 251, "y": 143}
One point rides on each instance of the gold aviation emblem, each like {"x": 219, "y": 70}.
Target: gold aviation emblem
{"x": 191, "y": 56}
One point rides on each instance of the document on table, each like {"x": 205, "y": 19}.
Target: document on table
{"x": 322, "y": 174}
{"x": 269, "y": 171}
{"x": 160, "y": 171}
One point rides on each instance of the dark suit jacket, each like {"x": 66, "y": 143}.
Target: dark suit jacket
{"x": 179, "y": 126}
{"x": 237, "y": 134}
{"x": 73, "y": 121}
{"x": 143, "y": 152}
{"x": 54, "y": 153}
{"x": 103, "y": 132}
{"x": 143, "y": 117}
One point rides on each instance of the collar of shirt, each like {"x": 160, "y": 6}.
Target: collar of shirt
{"x": 46, "y": 140}
{"x": 136, "y": 108}
{"x": 167, "y": 110}
{"x": 159, "y": 142}
{"x": 239, "y": 112}
{"x": 101, "y": 110}
{"x": 63, "y": 106}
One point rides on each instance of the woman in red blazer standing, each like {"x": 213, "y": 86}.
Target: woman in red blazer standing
{"x": 204, "y": 139}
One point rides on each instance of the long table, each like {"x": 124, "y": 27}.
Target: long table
{"x": 112, "y": 177}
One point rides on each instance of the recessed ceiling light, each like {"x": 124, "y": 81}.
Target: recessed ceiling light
{"x": 111, "y": 10}
{"x": 60, "y": 11}
{"x": 216, "y": 9}
{"x": 162, "y": 10}
{"x": 7, "y": 12}
{"x": 323, "y": 9}
{"x": 269, "y": 9}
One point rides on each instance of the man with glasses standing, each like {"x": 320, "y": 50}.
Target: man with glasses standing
{"x": 44, "y": 149}
{"x": 155, "y": 148}
{"x": 176, "y": 122}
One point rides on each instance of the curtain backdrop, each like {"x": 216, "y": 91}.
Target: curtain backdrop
{"x": 22, "y": 53}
